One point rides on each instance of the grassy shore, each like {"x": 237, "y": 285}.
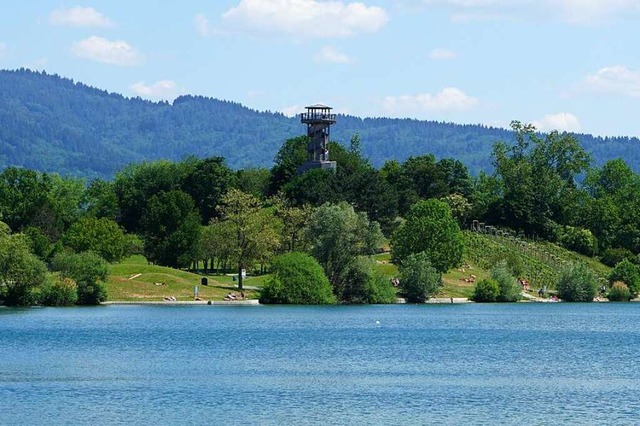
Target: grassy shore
{"x": 134, "y": 279}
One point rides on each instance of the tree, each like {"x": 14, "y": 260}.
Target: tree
{"x": 171, "y": 229}
{"x": 88, "y": 270}
{"x": 290, "y": 156}
{"x": 297, "y": 278}
{"x": 418, "y": 279}
{"x": 254, "y": 229}
{"x": 254, "y": 181}
{"x": 337, "y": 235}
{"x": 627, "y": 273}
{"x": 102, "y": 236}
{"x": 538, "y": 178}
{"x": 510, "y": 290}
{"x": 136, "y": 184}
{"x": 577, "y": 284}
{"x": 294, "y": 220}
{"x": 429, "y": 228}
{"x": 20, "y": 270}
{"x": 364, "y": 284}
{"x": 206, "y": 181}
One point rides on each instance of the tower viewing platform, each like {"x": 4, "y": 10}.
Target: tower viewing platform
{"x": 318, "y": 119}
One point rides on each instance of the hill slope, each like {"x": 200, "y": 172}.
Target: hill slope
{"x": 53, "y": 124}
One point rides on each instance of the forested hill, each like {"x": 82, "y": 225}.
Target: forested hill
{"x": 54, "y": 124}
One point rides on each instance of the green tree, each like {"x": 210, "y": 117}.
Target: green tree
{"x": 136, "y": 184}
{"x": 206, "y": 181}
{"x": 510, "y": 290}
{"x": 88, "y": 270}
{"x": 294, "y": 220}
{"x": 297, "y": 278}
{"x": 364, "y": 284}
{"x": 171, "y": 229}
{"x": 102, "y": 236}
{"x": 254, "y": 229}
{"x": 419, "y": 280}
{"x": 102, "y": 200}
{"x": 629, "y": 274}
{"x": 290, "y": 156}
{"x": 486, "y": 290}
{"x": 538, "y": 178}
{"x": 254, "y": 181}
{"x": 429, "y": 228}
{"x": 337, "y": 235}
{"x": 20, "y": 270}
{"x": 577, "y": 284}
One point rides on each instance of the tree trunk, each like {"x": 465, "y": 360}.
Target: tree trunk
{"x": 239, "y": 276}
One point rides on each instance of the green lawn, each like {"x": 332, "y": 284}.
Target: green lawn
{"x": 134, "y": 279}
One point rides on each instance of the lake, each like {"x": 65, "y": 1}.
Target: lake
{"x": 513, "y": 364}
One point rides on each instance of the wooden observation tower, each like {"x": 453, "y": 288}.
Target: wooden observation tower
{"x": 318, "y": 119}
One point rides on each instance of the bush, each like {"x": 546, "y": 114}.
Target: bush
{"x": 418, "y": 279}
{"x": 577, "y": 284}
{"x": 59, "y": 292}
{"x": 629, "y": 274}
{"x": 510, "y": 290}
{"x": 364, "y": 284}
{"x": 611, "y": 257}
{"x": 579, "y": 240}
{"x": 88, "y": 270}
{"x": 297, "y": 278}
{"x": 619, "y": 292}
{"x": 486, "y": 290}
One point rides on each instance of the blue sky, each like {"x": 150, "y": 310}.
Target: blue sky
{"x": 564, "y": 64}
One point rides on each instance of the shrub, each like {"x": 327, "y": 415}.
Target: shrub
{"x": 59, "y": 292}
{"x": 611, "y": 257}
{"x": 619, "y": 292}
{"x": 364, "y": 284}
{"x": 88, "y": 270}
{"x": 418, "y": 279}
{"x": 577, "y": 284}
{"x": 629, "y": 274}
{"x": 510, "y": 290}
{"x": 486, "y": 290}
{"x": 579, "y": 240}
{"x": 512, "y": 260}
{"x": 297, "y": 278}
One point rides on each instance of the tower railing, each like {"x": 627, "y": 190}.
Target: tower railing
{"x": 311, "y": 116}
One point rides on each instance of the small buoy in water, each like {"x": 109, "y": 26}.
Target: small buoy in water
{"x": 377, "y": 322}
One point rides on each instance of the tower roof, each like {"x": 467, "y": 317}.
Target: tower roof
{"x": 318, "y": 106}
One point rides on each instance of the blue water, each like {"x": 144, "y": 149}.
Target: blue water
{"x": 257, "y": 365}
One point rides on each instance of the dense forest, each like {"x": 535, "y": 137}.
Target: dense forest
{"x": 53, "y": 124}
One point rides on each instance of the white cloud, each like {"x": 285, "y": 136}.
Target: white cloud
{"x": 204, "y": 28}
{"x": 450, "y": 99}
{"x": 307, "y": 18}
{"x": 331, "y": 55}
{"x": 614, "y": 80}
{"x": 572, "y": 11}
{"x": 442, "y": 54}
{"x": 563, "y": 122}
{"x": 79, "y": 17}
{"x": 111, "y": 52}
{"x": 292, "y": 111}
{"x": 160, "y": 90}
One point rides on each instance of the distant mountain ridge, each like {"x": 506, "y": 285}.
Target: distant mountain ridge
{"x": 54, "y": 124}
